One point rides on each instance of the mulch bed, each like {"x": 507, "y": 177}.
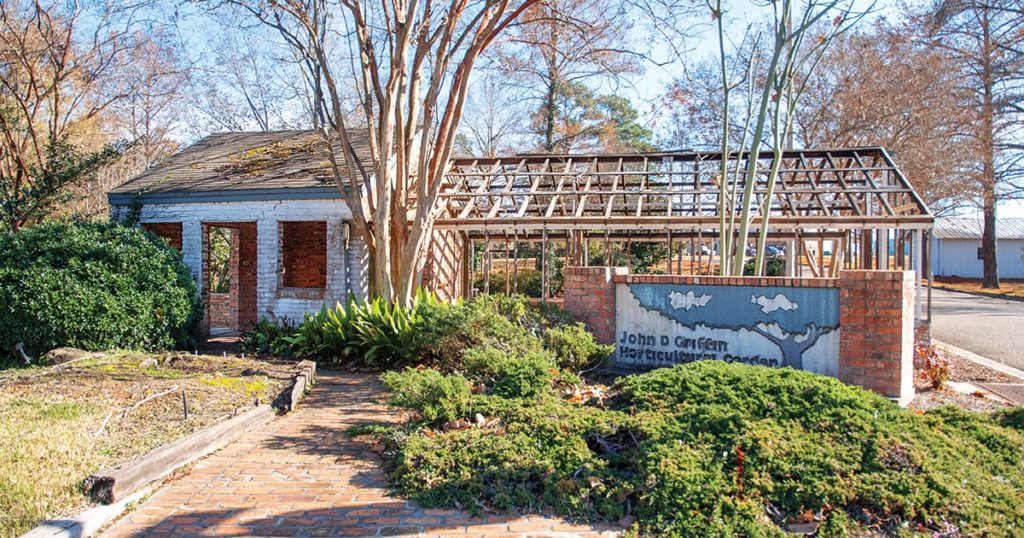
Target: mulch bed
{"x": 966, "y": 371}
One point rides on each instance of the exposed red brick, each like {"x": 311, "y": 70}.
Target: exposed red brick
{"x": 590, "y": 297}
{"x": 304, "y": 254}
{"x": 170, "y": 231}
{"x": 879, "y": 304}
{"x": 241, "y": 306}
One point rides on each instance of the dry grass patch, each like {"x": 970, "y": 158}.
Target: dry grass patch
{"x": 57, "y": 426}
{"x": 1008, "y": 289}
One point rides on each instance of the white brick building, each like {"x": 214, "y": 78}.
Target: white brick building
{"x": 293, "y": 249}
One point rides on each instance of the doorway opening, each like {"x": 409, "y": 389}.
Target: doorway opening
{"x": 229, "y": 277}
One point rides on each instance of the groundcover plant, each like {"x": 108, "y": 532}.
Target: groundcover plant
{"x": 705, "y": 449}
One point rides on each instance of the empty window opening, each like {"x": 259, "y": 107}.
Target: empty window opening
{"x": 303, "y": 254}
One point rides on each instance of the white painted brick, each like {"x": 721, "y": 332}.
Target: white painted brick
{"x": 267, "y": 215}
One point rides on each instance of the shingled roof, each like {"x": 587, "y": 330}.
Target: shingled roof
{"x": 241, "y": 166}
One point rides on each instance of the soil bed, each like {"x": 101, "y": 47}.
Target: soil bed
{"x": 58, "y": 425}
{"x": 961, "y": 370}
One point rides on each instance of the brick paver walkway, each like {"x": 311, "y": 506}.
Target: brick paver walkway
{"x": 300, "y": 475}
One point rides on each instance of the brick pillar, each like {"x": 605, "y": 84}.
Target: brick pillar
{"x": 590, "y": 297}
{"x": 876, "y": 340}
{"x": 247, "y": 243}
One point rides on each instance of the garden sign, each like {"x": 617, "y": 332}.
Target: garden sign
{"x": 665, "y": 324}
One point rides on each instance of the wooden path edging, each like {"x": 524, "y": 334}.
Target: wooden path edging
{"x": 303, "y": 382}
{"x": 109, "y": 485}
{"x": 89, "y": 522}
{"x": 120, "y": 486}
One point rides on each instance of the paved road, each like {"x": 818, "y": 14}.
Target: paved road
{"x": 988, "y": 326}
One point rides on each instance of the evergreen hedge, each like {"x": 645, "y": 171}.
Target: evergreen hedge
{"x": 92, "y": 285}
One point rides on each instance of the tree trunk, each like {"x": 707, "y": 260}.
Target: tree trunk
{"x": 988, "y": 237}
{"x": 550, "y": 107}
{"x": 988, "y": 243}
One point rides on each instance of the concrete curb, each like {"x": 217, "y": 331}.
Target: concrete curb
{"x": 89, "y": 522}
{"x": 980, "y": 294}
{"x": 984, "y": 361}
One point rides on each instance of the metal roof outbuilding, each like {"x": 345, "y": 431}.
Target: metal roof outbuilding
{"x": 971, "y": 228}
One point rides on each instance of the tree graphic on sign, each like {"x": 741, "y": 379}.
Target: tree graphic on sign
{"x": 793, "y": 319}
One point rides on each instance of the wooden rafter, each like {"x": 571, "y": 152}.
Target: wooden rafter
{"x": 828, "y": 190}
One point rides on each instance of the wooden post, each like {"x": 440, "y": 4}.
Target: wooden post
{"x": 670, "y": 251}
{"x": 487, "y": 263}
{"x": 544, "y": 267}
{"x": 508, "y": 275}
{"x": 918, "y": 259}
{"x": 515, "y": 262}
{"x": 586, "y": 249}
{"x": 467, "y": 276}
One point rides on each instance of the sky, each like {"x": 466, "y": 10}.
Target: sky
{"x": 647, "y": 90}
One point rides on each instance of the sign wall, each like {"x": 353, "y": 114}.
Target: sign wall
{"x": 665, "y": 324}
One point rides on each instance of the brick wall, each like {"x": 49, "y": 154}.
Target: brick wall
{"x": 590, "y": 296}
{"x": 782, "y": 282}
{"x": 223, "y": 307}
{"x": 876, "y": 318}
{"x": 304, "y": 254}
{"x": 346, "y": 253}
{"x": 247, "y": 276}
{"x": 223, "y": 311}
{"x": 171, "y": 231}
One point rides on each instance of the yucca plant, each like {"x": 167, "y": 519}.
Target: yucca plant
{"x": 382, "y": 331}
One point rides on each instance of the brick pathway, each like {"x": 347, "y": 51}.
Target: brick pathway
{"x": 302, "y": 476}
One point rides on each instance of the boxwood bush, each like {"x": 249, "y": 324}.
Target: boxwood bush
{"x": 92, "y": 285}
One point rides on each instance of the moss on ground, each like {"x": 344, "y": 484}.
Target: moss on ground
{"x": 57, "y": 426}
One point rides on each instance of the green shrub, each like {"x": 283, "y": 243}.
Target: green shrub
{"x": 773, "y": 266}
{"x": 510, "y": 376}
{"x": 437, "y": 397}
{"x": 509, "y": 324}
{"x": 715, "y": 449}
{"x": 430, "y": 332}
{"x": 374, "y": 332}
{"x": 267, "y": 338}
{"x": 574, "y": 347}
{"x": 529, "y": 282}
{"x": 92, "y": 285}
